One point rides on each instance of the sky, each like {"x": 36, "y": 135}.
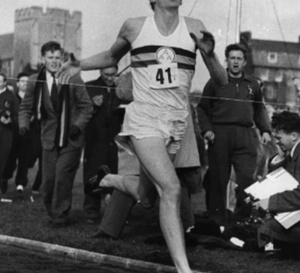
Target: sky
{"x": 102, "y": 19}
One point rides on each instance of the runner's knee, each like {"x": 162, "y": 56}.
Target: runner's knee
{"x": 171, "y": 192}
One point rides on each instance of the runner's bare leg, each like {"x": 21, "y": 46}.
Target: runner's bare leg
{"x": 157, "y": 163}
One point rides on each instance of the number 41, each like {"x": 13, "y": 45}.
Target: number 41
{"x": 160, "y": 75}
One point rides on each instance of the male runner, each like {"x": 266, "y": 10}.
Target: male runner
{"x": 163, "y": 57}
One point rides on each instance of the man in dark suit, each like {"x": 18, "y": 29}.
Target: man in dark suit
{"x": 286, "y": 126}
{"x": 105, "y": 124}
{"x": 64, "y": 111}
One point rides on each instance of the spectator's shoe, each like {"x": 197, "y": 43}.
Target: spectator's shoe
{"x": 252, "y": 245}
{"x": 47, "y": 223}
{"x": 101, "y": 235}
{"x": 3, "y": 185}
{"x": 92, "y": 186}
{"x": 20, "y": 189}
{"x": 190, "y": 240}
{"x": 93, "y": 221}
{"x": 155, "y": 240}
{"x": 59, "y": 223}
{"x": 35, "y": 192}
{"x": 206, "y": 227}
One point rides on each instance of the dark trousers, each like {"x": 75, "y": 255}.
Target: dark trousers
{"x": 116, "y": 214}
{"x": 6, "y": 139}
{"x": 271, "y": 230}
{"x": 121, "y": 204}
{"x": 24, "y": 153}
{"x": 233, "y": 146}
{"x": 58, "y": 172}
{"x": 93, "y": 159}
{"x": 95, "y": 155}
{"x": 38, "y": 177}
{"x": 23, "y": 162}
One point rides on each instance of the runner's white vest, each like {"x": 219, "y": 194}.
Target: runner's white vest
{"x": 163, "y": 66}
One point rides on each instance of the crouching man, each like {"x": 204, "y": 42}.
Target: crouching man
{"x": 286, "y": 130}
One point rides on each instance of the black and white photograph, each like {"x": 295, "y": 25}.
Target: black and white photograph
{"x": 141, "y": 136}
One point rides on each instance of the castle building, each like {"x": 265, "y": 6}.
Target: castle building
{"x": 6, "y": 53}
{"x": 20, "y": 51}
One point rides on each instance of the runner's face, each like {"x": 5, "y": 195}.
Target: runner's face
{"x": 168, "y": 3}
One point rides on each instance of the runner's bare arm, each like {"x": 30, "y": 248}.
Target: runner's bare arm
{"x": 108, "y": 58}
{"x": 205, "y": 43}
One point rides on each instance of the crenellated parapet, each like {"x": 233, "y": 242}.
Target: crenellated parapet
{"x": 50, "y": 14}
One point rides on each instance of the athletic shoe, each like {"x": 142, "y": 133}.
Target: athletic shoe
{"x": 92, "y": 186}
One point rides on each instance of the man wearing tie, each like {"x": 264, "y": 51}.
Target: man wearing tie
{"x": 64, "y": 111}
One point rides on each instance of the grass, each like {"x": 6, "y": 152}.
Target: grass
{"x": 26, "y": 219}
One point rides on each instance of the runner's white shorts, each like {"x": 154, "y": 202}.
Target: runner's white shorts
{"x": 144, "y": 120}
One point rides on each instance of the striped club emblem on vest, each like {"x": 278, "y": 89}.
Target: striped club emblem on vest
{"x": 150, "y": 55}
{"x": 165, "y": 55}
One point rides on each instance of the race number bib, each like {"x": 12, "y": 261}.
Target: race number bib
{"x": 163, "y": 76}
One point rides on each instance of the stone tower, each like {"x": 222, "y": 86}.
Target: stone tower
{"x": 34, "y": 27}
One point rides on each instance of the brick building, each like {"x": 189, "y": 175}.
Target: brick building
{"x": 277, "y": 64}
